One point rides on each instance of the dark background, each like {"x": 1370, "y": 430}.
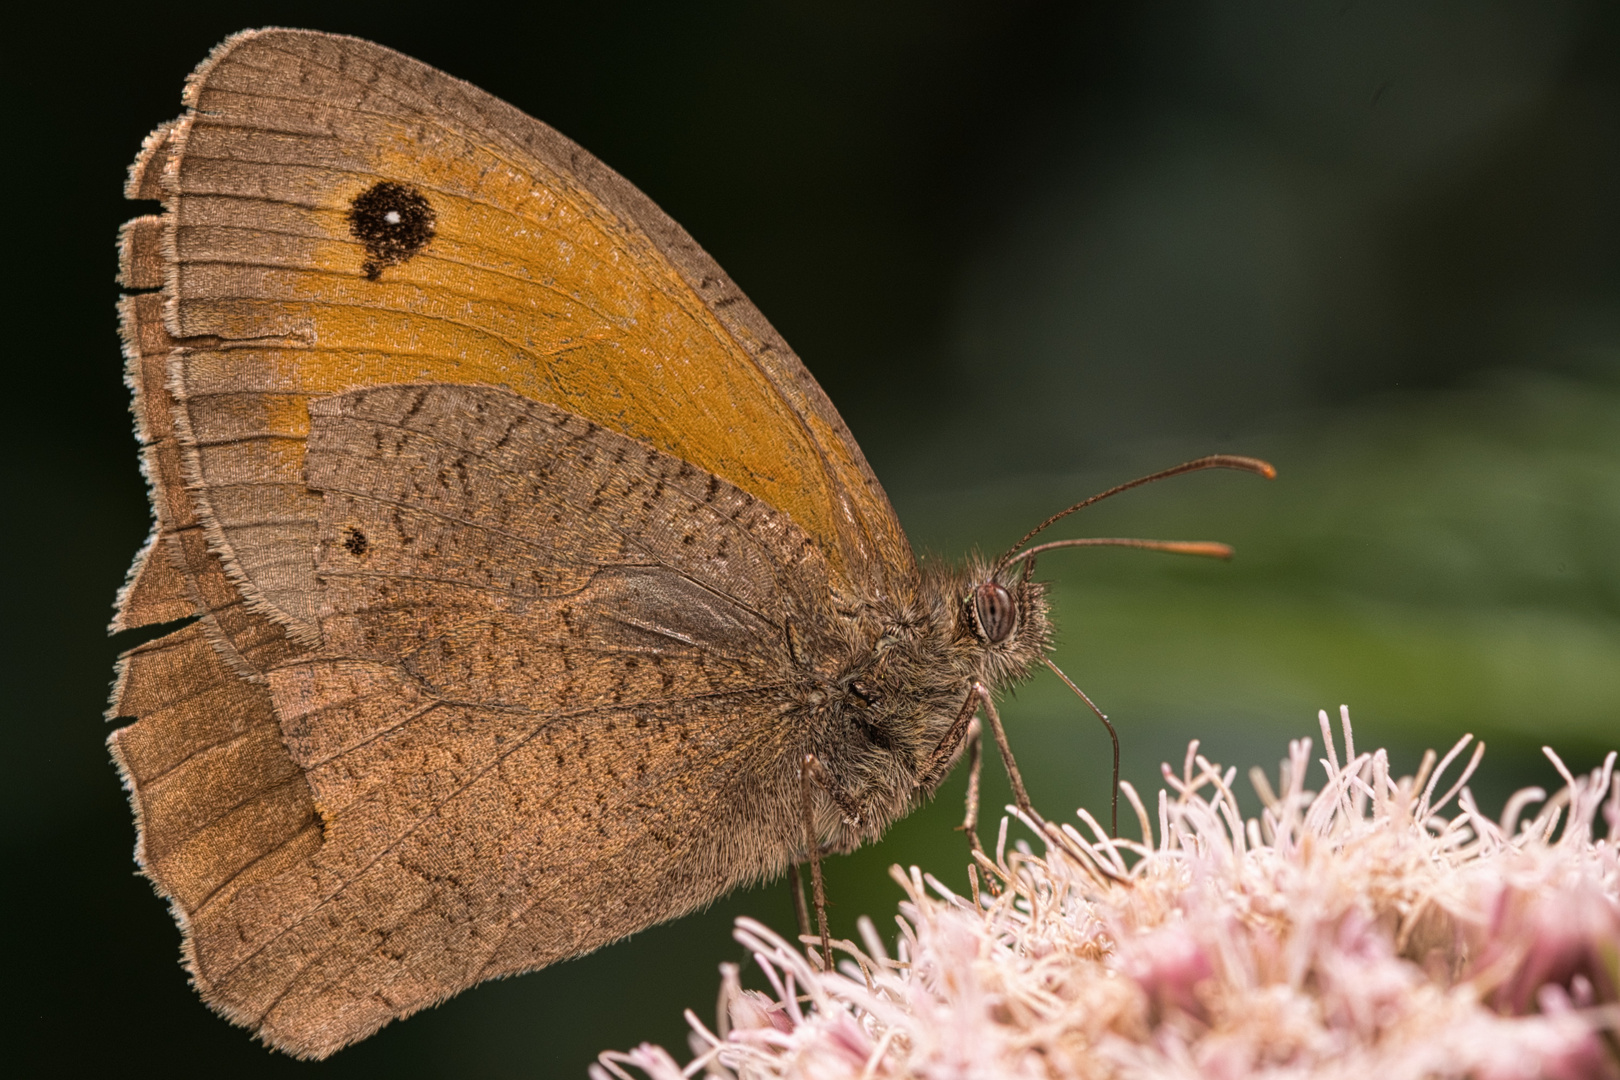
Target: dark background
{"x": 1029, "y": 249}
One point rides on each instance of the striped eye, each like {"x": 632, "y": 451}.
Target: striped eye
{"x": 995, "y": 615}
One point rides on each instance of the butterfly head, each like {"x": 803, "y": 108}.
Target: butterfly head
{"x": 1001, "y": 622}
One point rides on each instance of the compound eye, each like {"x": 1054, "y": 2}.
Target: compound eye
{"x": 995, "y": 612}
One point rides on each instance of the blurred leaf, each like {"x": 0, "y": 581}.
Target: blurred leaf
{"x": 1443, "y": 563}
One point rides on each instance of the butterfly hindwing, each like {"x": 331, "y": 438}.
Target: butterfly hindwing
{"x": 517, "y": 752}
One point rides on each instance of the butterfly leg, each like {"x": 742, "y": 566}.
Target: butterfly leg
{"x": 807, "y": 766}
{"x": 801, "y": 913}
{"x": 828, "y": 783}
{"x": 970, "y": 819}
{"x": 953, "y": 737}
{"x": 1020, "y": 796}
{"x": 978, "y": 696}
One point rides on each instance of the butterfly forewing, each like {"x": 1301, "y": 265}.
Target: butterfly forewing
{"x": 536, "y": 277}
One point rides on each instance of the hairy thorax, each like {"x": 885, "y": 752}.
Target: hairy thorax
{"x": 907, "y": 677}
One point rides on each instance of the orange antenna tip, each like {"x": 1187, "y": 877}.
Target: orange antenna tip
{"x": 1232, "y": 461}
{"x": 1264, "y": 468}
{"x": 1209, "y": 549}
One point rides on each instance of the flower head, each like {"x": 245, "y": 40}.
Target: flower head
{"x": 1356, "y": 931}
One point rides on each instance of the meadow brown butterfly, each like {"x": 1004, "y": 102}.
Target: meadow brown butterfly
{"x": 535, "y": 592}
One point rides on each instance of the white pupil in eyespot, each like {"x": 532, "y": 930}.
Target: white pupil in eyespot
{"x": 392, "y": 217}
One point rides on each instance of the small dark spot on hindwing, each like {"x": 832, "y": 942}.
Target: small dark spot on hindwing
{"x": 355, "y": 542}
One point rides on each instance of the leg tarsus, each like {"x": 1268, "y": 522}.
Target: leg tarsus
{"x": 1113, "y": 736}
{"x": 807, "y": 766}
{"x": 970, "y": 818}
{"x": 800, "y": 912}
{"x": 1020, "y": 796}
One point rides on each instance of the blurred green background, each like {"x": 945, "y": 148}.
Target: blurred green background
{"x": 1030, "y": 249}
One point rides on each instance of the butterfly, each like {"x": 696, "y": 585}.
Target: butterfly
{"x": 532, "y": 590}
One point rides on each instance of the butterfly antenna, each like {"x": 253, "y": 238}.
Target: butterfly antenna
{"x": 1214, "y": 461}
{"x": 1113, "y": 792}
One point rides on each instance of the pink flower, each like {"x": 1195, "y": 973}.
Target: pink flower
{"x": 1564, "y": 934}
{"x": 1169, "y": 964}
{"x": 1351, "y": 931}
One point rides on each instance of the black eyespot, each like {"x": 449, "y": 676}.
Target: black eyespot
{"x": 393, "y": 222}
{"x": 995, "y": 613}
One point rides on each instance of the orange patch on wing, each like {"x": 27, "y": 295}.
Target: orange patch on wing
{"x": 536, "y": 288}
